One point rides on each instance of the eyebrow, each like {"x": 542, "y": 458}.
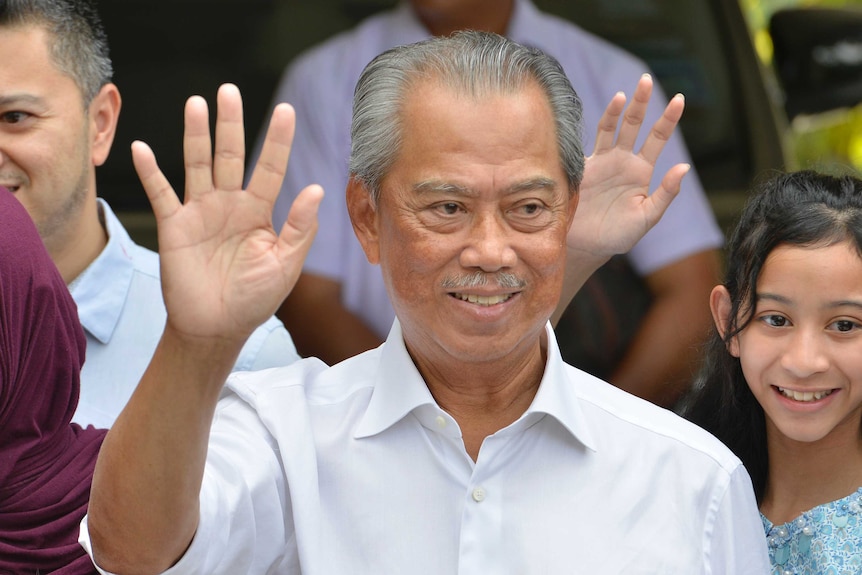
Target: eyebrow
{"x": 830, "y": 305}
{"x": 15, "y": 99}
{"x": 438, "y": 186}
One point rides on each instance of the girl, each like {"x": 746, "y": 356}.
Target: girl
{"x": 782, "y": 379}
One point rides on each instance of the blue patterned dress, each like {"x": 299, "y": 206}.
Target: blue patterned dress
{"x": 826, "y": 540}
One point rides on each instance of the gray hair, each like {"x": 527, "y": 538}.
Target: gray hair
{"x": 78, "y": 43}
{"x": 469, "y": 62}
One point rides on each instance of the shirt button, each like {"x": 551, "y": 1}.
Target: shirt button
{"x": 441, "y": 421}
{"x": 479, "y": 495}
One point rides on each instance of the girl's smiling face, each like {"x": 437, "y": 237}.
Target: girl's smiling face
{"x": 801, "y": 353}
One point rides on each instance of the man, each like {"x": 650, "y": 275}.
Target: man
{"x": 464, "y": 443}
{"x": 339, "y": 306}
{"x": 58, "y": 116}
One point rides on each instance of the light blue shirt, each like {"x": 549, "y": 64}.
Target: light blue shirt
{"x": 119, "y": 298}
{"x": 826, "y": 540}
{"x": 355, "y": 469}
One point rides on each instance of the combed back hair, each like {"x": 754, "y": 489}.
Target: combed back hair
{"x": 77, "y": 41}
{"x": 477, "y": 64}
{"x": 804, "y": 209}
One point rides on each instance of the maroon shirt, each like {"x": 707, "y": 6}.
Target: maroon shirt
{"x": 46, "y": 462}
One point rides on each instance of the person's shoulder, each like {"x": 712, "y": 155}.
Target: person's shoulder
{"x": 311, "y": 378}
{"x": 622, "y": 417}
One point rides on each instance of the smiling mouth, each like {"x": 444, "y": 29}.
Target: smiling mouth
{"x": 804, "y": 396}
{"x": 483, "y": 300}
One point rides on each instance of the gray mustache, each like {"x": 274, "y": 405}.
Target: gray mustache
{"x": 481, "y": 279}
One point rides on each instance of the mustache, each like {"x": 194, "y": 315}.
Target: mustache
{"x": 504, "y": 280}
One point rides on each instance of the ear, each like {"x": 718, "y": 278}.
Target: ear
{"x": 720, "y": 305}
{"x": 363, "y": 216}
{"x": 574, "y": 198}
{"x": 104, "y": 112}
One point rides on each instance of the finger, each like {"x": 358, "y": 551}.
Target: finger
{"x": 663, "y": 129}
{"x": 229, "y": 160}
{"x": 660, "y": 200}
{"x": 197, "y": 148}
{"x": 162, "y": 196}
{"x": 299, "y": 230}
{"x": 608, "y": 123}
{"x": 302, "y": 218}
{"x": 635, "y": 113}
{"x": 268, "y": 174}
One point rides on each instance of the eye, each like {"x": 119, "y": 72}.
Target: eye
{"x": 448, "y": 208}
{"x": 14, "y": 117}
{"x": 528, "y": 208}
{"x": 774, "y": 320}
{"x": 844, "y": 325}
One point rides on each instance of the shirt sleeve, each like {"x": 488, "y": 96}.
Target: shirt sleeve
{"x": 245, "y": 524}
{"x": 735, "y": 542}
{"x": 270, "y": 345}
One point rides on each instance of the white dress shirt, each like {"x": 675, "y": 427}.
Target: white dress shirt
{"x": 320, "y": 83}
{"x": 120, "y": 305}
{"x": 354, "y": 469}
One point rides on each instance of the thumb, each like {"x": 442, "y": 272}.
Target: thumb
{"x": 666, "y": 192}
{"x": 301, "y": 224}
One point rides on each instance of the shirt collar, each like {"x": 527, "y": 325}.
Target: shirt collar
{"x": 101, "y": 290}
{"x": 558, "y": 394}
{"x": 400, "y": 390}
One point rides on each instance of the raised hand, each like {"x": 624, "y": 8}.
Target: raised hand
{"x": 615, "y": 209}
{"x": 224, "y": 269}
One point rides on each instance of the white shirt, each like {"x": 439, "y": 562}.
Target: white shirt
{"x": 120, "y": 305}
{"x": 354, "y": 469}
{"x": 320, "y": 84}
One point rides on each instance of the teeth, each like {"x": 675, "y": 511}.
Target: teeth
{"x": 483, "y": 299}
{"x": 804, "y": 395}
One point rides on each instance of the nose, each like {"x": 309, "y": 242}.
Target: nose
{"x": 488, "y": 244}
{"x": 805, "y": 354}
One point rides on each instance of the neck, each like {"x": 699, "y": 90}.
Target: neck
{"x": 486, "y": 15}
{"x": 803, "y": 475}
{"x": 78, "y": 245}
{"x": 485, "y": 396}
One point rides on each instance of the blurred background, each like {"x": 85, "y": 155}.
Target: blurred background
{"x": 769, "y": 84}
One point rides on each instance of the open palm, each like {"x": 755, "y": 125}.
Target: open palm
{"x": 224, "y": 269}
{"x": 615, "y": 208}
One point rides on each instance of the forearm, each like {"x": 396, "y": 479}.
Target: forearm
{"x": 660, "y": 362}
{"x": 580, "y": 265}
{"x": 662, "y": 358}
{"x": 144, "y": 503}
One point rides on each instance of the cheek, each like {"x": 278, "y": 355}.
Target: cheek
{"x": 755, "y": 360}
{"x": 546, "y": 253}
